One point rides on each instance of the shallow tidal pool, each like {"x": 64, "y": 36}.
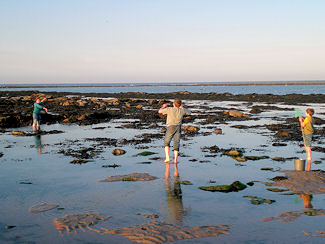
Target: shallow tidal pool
{"x": 33, "y": 171}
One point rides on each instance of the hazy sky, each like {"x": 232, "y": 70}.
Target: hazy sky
{"x": 161, "y": 40}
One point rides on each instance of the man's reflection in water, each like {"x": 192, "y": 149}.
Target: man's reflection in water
{"x": 307, "y": 200}
{"x": 174, "y": 197}
{"x": 38, "y": 143}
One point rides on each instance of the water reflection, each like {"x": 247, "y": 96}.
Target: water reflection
{"x": 307, "y": 184}
{"x": 38, "y": 143}
{"x": 175, "y": 206}
{"x": 308, "y": 168}
{"x": 307, "y": 200}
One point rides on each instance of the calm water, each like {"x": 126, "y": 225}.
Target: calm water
{"x": 77, "y": 189}
{"x": 274, "y": 89}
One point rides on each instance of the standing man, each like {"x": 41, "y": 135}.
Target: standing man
{"x": 175, "y": 116}
{"x": 38, "y": 107}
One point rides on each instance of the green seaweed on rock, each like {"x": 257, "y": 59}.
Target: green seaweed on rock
{"x": 258, "y": 200}
{"x": 279, "y": 159}
{"x": 186, "y": 182}
{"x": 129, "y": 178}
{"x": 313, "y": 212}
{"x": 256, "y": 157}
{"x": 145, "y": 153}
{"x": 234, "y": 187}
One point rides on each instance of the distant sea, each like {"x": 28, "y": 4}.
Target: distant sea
{"x": 277, "y": 88}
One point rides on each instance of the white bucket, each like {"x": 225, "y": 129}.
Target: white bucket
{"x": 300, "y": 164}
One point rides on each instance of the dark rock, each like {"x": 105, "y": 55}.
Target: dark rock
{"x": 278, "y": 144}
{"x": 118, "y": 152}
{"x": 212, "y": 149}
{"x": 218, "y": 131}
{"x": 278, "y": 178}
{"x": 103, "y": 141}
{"x": 283, "y": 134}
{"x": 190, "y": 130}
{"x": 130, "y": 177}
{"x": 239, "y": 126}
{"x": 255, "y": 111}
{"x": 256, "y": 157}
{"x": 99, "y": 128}
{"x": 204, "y": 161}
{"x": 236, "y": 113}
{"x": 111, "y": 165}
{"x": 267, "y": 169}
{"x": 276, "y": 189}
{"x": 25, "y": 182}
{"x": 279, "y": 159}
{"x": 318, "y": 149}
{"x": 155, "y": 158}
{"x": 186, "y": 182}
{"x": 235, "y": 186}
{"x": 8, "y": 227}
{"x": 258, "y": 200}
{"x": 79, "y": 161}
{"x": 146, "y": 162}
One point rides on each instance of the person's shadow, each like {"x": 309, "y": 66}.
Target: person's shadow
{"x": 175, "y": 206}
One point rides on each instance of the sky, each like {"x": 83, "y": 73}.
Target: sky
{"x": 96, "y": 41}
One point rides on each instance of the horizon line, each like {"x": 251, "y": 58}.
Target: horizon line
{"x": 139, "y": 84}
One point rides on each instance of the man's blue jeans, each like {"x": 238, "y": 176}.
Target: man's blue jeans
{"x": 173, "y": 132}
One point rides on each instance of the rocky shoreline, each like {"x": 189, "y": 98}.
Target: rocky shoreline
{"x": 92, "y": 108}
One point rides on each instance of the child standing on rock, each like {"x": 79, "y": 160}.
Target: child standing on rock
{"x": 38, "y": 107}
{"x": 175, "y": 116}
{"x": 308, "y": 129}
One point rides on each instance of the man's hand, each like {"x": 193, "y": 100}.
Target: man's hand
{"x": 45, "y": 110}
{"x": 164, "y": 105}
